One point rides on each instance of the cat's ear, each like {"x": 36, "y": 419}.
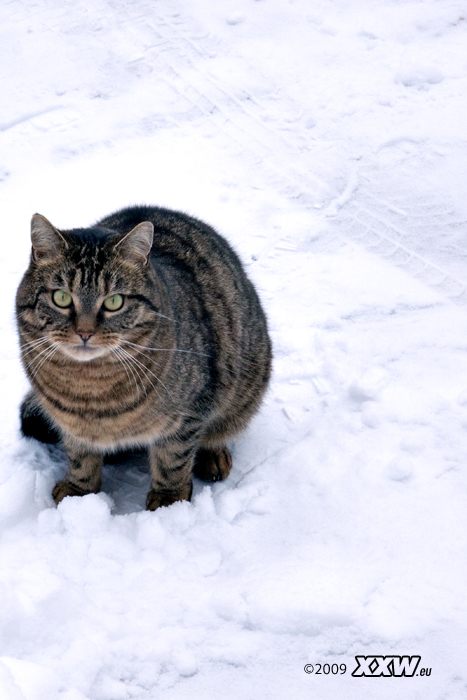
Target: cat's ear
{"x": 46, "y": 240}
{"x": 137, "y": 244}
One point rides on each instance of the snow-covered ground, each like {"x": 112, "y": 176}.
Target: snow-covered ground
{"x": 327, "y": 140}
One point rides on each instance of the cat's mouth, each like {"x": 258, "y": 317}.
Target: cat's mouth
{"x": 83, "y": 352}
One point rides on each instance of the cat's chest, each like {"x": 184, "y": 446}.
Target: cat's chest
{"x": 139, "y": 426}
{"x": 101, "y": 411}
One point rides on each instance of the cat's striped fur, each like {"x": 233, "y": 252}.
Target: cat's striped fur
{"x": 180, "y": 368}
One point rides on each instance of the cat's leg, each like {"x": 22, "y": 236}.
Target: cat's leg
{"x": 35, "y": 422}
{"x": 213, "y": 460}
{"x": 83, "y": 475}
{"x": 212, "y": 463}
{"x": 171, "y": 466}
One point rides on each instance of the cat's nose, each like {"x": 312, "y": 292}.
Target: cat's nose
{"x": 85, "y": 335}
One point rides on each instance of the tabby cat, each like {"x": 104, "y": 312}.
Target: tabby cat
{"x": 142, "y": 330}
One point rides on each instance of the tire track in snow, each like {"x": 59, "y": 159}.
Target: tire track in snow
{"x": 416, "y": 231}
{"x": 413, "y": 231}
{"x": 281, "y": 146}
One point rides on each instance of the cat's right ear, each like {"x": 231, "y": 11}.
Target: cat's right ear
{"x": 137, "y": 243}
{"x": 46, "y": 240}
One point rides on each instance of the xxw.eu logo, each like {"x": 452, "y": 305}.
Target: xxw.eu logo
{"x": 377, "y": 666}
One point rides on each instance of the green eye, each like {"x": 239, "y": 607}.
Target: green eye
{"x": 62, "y": 299}
{"x": 113, "y": 303}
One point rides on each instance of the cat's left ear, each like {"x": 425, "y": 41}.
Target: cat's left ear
{"x": 137, "y": 244}
{"x": 46, "y": 240}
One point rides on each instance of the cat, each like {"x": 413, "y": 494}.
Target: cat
{"x": 142, "y": 330}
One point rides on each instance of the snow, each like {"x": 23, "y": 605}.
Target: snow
{"x": 327, "y": 142}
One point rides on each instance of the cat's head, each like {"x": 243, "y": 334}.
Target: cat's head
{"x": 87, "y": 290}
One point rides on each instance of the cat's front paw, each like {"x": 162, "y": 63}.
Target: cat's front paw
{"x": 62, "y": 489}
{"x": 212, "y": 465}
{"x": 157, "y": 499}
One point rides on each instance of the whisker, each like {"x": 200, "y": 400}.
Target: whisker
{"x": 145, "y": 347}
{"x": 29, "y": 347}
{"x": 114, "y": 352}
{"x": 144, "y": 367}
{"x": 162, "y": 316}
{"x": 44, "y": 359}
{"x": 125, "y": 364}
{"x": 147, "y": 356}
{"x": 24, "y": 355}
{"x": 146, "y": 371}
{"x": 37, "y": 341}
{"x": 149, "y": 381}
{"x": 28, "y": 365}
{"x": 130, "y": 359}
{"x": 137, "y": 364}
